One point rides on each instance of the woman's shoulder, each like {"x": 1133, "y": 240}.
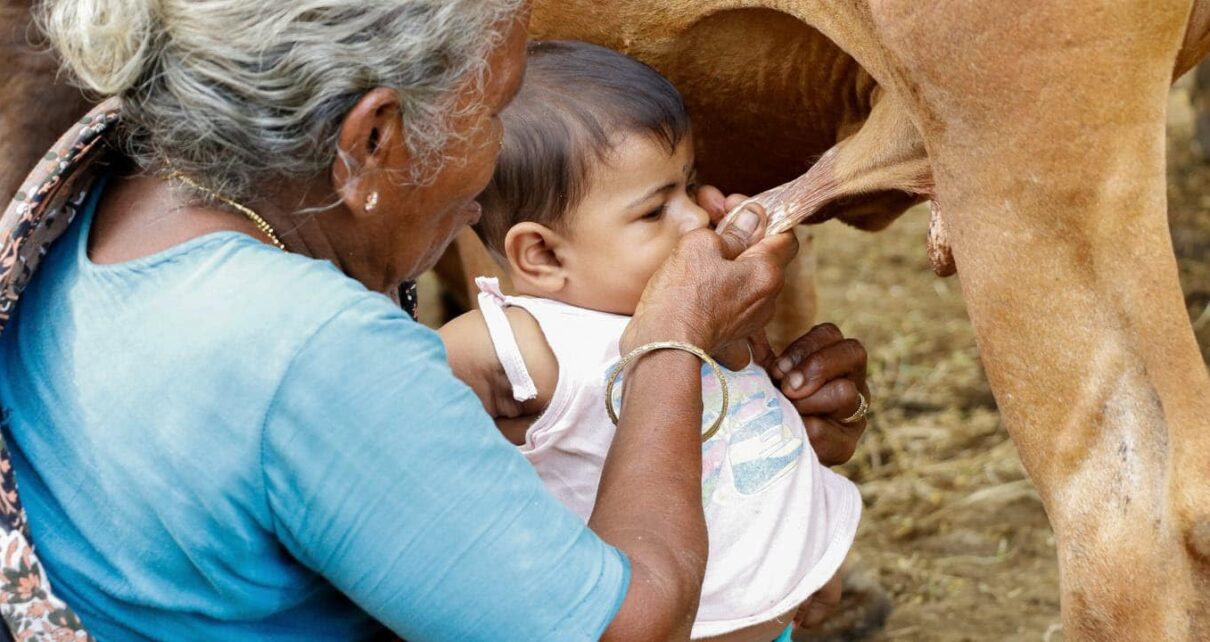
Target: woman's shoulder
{"x": 246, "y": 278}
{"x": 243, "y": 300}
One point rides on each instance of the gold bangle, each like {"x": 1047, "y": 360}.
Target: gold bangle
{"x": 669, "y": 345}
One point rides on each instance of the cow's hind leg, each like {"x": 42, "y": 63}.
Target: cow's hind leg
{"x": 1047, "y": 142}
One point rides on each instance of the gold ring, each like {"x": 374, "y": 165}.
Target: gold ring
{"x": 669, "y": 345}
{"x": 863, "y": 409}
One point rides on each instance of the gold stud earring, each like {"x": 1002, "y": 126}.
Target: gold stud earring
{"x": 371, "y": 201}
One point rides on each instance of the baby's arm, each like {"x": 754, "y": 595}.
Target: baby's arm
{"x": 473, "y": 359}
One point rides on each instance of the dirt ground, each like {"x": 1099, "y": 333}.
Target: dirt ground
{"x": 953, "y": 529}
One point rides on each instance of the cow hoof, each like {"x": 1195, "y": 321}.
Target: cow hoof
{"x": 863, "y": 611}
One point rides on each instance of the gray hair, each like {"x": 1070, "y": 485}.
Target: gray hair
{"x": 236, "y": 92}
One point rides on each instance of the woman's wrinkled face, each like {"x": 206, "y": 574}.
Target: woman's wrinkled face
{"x": 432, "y": 214}
{"x": 637, "y": 207}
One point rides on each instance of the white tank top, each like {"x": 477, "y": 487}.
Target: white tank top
{"x": 780, "y": 523}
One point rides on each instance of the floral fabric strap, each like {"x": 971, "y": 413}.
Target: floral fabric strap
{"x": 38, "y": 215}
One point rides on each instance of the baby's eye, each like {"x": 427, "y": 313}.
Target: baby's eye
{"x": 655, "y": 214}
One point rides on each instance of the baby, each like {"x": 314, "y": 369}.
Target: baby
{"x": 593, "y": 189}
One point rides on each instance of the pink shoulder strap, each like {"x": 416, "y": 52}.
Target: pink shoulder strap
{"x": 492, "y": 303}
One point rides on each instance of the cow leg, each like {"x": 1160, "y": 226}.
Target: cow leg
{"x": 1047, "y": 142}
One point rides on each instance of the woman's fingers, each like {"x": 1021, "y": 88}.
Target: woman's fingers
{"x": 762, "y": 351}
{"x": 843, "y": 359}
{"x": 759, "y": 276}
{"x": 744, "y": 232}
{"x": 816, "y": 339}
{"x": 780, "y": 248}
{"x": 838, "y": 399}
{"x": 734, "y": 356}
{"x": 834, "y": 443}
{"x": 824, "y": 375}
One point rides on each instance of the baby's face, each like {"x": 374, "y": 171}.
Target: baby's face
{"x": 638, "y": 206}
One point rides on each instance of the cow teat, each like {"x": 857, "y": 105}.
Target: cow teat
{"x": 941, "y": 256}
{"x": 853, "y": 179}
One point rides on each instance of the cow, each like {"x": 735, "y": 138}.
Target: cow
{"x": 38, "y": 105}
{"x": 1037, "y": 132}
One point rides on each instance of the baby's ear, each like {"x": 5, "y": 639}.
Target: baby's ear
{"x": 534, "y": 253}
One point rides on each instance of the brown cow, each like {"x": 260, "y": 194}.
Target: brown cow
{"x": 28, "y": 126}
{"x": 1039, "y": 129}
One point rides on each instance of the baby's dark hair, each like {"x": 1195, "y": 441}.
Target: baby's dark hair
{"x": 575, "y": 102}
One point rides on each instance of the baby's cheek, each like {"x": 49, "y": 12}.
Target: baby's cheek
{"x": 634, "y": 265}
{"x": 654, "y": 259}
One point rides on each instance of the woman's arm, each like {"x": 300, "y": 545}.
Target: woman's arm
{"x": 832, "y": 375}
{"x": 710, "y": 293}
{"x": 649, "y": 503}
{"x": 383, "y": 474}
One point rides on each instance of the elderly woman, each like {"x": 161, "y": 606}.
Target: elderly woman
{"x": 223, "y": 425}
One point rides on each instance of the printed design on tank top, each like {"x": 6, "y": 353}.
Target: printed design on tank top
{"x": 755, "y": 447}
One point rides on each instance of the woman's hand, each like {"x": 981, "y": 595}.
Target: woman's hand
{"x": 716, "y": 288}
{"x": 717, "y": 205}
{"x": 736, "y": 355}
{"x": 824, "y": 376}
{"x": 822, "y": 372}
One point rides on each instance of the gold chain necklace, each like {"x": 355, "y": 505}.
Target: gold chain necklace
{"x": 260, "y": 223}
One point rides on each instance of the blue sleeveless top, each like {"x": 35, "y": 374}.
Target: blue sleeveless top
{"x": 223, "y": 441}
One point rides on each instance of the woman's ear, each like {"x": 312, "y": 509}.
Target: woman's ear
{"x": 536, "y": 255}
{"x": 371, "y": 149}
